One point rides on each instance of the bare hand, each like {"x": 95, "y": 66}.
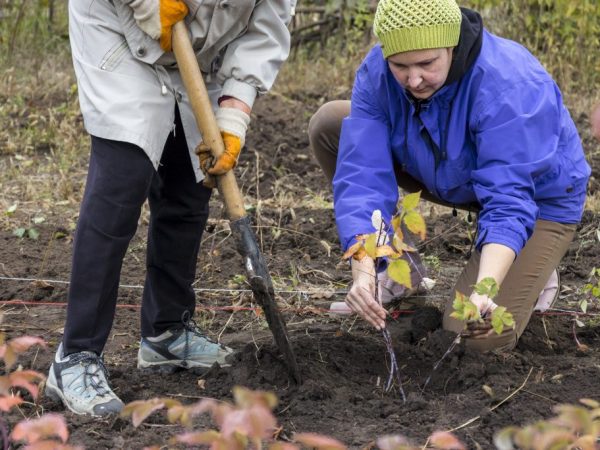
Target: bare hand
{"x": 361, "y": 297}
{"x": 477, "y": 329}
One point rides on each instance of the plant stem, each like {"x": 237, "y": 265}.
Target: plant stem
{"x": 4, "y": 433}
{"x": 394, "y": 371}
{"x": 454, "y": 343}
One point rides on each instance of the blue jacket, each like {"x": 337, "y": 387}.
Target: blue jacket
{"x": 499, "y": 136}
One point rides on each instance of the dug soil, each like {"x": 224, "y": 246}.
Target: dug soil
{"x": 343, "y": 363}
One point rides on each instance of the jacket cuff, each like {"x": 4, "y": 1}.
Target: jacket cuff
{"x": 504, "y": 236}
{"x": 240, "y": 90}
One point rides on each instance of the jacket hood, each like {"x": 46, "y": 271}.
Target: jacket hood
{"x": 469, "y": 45}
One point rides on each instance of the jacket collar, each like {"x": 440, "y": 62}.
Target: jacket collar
{"x": 469, "y": 45}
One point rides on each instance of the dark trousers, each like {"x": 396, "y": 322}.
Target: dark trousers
{"x": 120, "y": 179}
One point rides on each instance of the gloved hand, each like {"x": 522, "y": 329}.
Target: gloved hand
{"x": 157, "y": 17}
{"x": 233, "y": 124}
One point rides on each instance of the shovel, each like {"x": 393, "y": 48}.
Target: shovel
{"x": 256, "y": 269}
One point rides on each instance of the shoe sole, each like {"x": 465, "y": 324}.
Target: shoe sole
{"x": 55, "y": 394}
{"x": 169, "y": 367}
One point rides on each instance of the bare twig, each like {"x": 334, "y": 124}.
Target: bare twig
{"x": 497, "y": 405}
{"x": 454, "y": 343}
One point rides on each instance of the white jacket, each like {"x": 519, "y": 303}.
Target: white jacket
{"x": 128, "y": 86}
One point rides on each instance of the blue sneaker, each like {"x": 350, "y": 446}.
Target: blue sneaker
{"x": 185, "y": 348}
{"x": 80, "y": 381}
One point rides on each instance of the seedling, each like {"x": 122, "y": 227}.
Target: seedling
{"x": 29, "y": 232}
{"x": 390, "y": 243}
{"x": 591, "y": 291}
{"x": 466, "y": 311}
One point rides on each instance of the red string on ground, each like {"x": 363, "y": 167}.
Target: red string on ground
{"x": 394, "y": 313}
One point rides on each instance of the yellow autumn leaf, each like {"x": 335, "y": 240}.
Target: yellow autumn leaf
{"x": 415, "y": 223}
{"x": 352, "y": 250}
{"x": 399, "y": 271}
{"x": 385, "y": 250}
{"x": 398, "y": 244}
{"x": 411, "y": 201}
{"x": 396, "y": 222}
{"x": 371, "y": 245}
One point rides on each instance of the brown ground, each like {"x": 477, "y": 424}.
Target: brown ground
{"x": 343, "y": 363}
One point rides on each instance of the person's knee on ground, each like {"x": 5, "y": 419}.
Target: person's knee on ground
{"x": 503, "y": 342}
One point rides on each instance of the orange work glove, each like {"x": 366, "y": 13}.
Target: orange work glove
{"x": 233, "y": 123}
{"x": 157, "y": 17}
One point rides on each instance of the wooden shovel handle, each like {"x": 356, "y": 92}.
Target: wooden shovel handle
{"x": 205, "y": 117}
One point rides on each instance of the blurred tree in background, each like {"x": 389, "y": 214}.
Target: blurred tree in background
{"x": 563, "y": 34}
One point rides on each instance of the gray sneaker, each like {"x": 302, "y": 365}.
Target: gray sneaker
{"x": 79, "y": 380}
{"x": 185, "y": 348}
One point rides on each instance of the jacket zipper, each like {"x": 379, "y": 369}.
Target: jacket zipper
{"x": 107, "y": 63}
{"x": 437, "y": 156}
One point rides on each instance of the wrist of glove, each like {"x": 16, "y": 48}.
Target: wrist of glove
{"x": 157, "y": 17}
{"x": 233, "y": 124}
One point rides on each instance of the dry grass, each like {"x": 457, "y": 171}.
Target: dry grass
{"x": 44, "y": 148}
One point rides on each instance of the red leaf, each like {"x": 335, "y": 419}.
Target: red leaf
{"x": 49, "y": 425}
{"x": 446, "y": 441}
{"x": 7, "y": 402}
{"x": 25, "y": 379}
{"x": 50, "y": 445}
{"x": 319, "y": 441}
{"x": 141, "y": 409}
{"x": 22, "y": 344}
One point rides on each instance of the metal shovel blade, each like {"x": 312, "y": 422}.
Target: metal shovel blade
{"x": 262, "y": 289}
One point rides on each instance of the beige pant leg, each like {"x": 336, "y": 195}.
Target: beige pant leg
{"x": 522, "y": 285}
{"x": 324, "y": 131}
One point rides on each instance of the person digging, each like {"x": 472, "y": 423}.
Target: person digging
{"x": 143, "y": 142}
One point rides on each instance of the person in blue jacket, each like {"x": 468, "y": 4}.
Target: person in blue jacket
{"x": 473, "y": 121}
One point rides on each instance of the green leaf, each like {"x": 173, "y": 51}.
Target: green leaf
{"x": 464, "y": 309}
{"x": 487, "y": 286}
{"x": 415, "y": 223}
{"x": 20, "y": 232}
{"x": 399, "y": 271}
{"x": 11, "y": 209}
{"x": 583, "y": 305}
{"x": 471, "y": 311}
{"x": 33, "y": 233}
{"x": 502, "y": 318}
{"x": 411, "y": 201}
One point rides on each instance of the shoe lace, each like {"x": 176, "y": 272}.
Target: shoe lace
{"x": 92, "y": 366}
{"x": 191, "y": 327}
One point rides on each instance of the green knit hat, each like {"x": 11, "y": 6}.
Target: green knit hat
{"x": 405, "y": 25}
